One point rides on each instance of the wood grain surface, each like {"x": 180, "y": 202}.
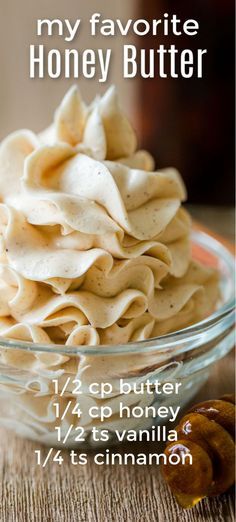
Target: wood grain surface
{"x": 91, "y": 493}
{"x": 101, "y": 494}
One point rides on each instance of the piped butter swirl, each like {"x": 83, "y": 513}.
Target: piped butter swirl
{"x": 94, "y": 245}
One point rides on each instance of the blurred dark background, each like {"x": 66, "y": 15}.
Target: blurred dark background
{"x": 189, "y": 123}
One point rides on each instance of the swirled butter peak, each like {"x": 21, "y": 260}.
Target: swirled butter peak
{"x": 94, "y": 245}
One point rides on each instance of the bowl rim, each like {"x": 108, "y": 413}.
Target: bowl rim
{"x": 163, "y": 342}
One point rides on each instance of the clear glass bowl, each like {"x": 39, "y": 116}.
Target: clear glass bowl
{"x": 46, "y": 393}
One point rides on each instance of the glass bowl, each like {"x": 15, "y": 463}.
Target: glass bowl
{"x": 65, "y": 397}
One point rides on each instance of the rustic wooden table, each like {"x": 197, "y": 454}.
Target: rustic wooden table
{"x": 29, "y": 493}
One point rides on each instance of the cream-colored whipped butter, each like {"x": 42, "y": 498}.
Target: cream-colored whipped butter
{"x": 94, "y": 249}
{"x": 95, "y": 246}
